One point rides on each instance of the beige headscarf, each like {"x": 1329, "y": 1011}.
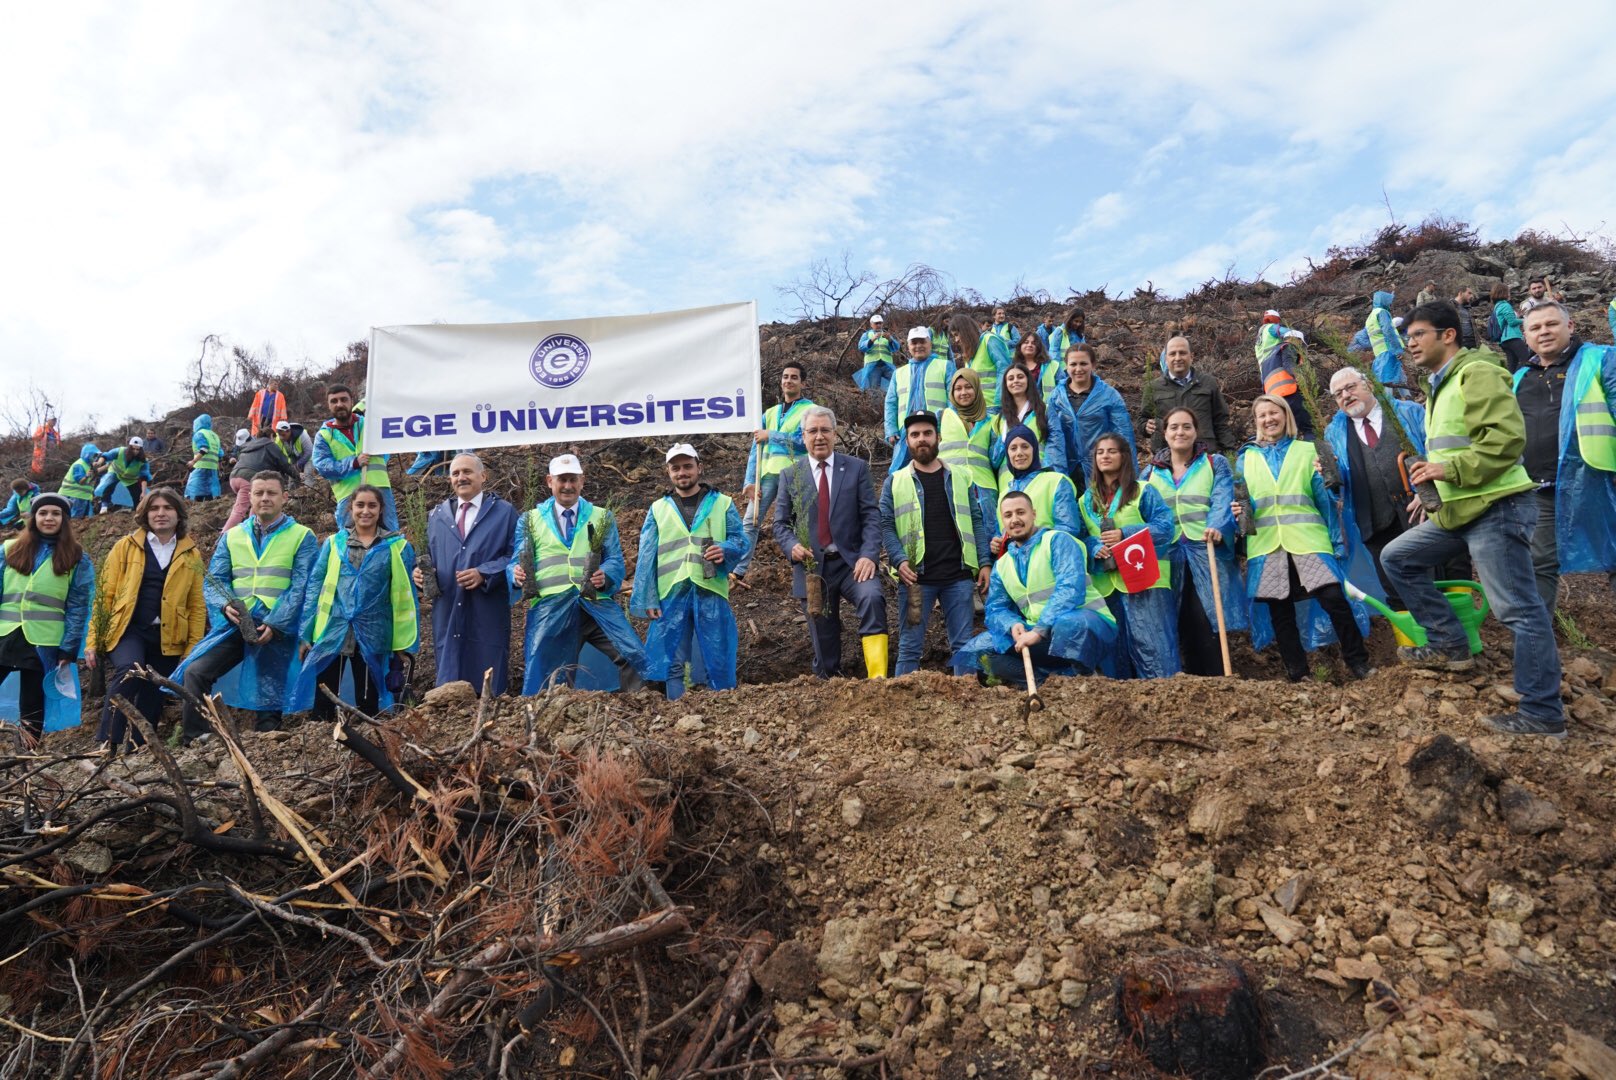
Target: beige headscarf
{"x": 978, "y": 407}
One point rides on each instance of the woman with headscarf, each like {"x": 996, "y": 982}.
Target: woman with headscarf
{"x": 1115, "y": 507}
{"x": 46, "y": 582}
{"x": 985, "y": 354}
{"x": 1296, "y": 546}
{"x": 1088, "y": 406}
{"x": 151, "y": 592}
{"x": 1054, "y": 500}
{"x": 1198, "y": 487}
{"x": 1022, "y": 405}
{"x": 966, "y": 439}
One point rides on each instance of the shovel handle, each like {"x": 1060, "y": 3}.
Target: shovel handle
{"x": 1026, "y": 660}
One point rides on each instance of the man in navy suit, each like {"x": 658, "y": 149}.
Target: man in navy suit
{"x": 471, "y": 536}
{"x": 829, "y": 494}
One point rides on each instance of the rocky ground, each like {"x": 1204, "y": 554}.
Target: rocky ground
{"x": 948, "y": 885}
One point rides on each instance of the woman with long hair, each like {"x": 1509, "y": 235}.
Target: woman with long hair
{"x": 1073, "y": 330}
{"x": 1198, "y": 487}
{"x": 985, "y": 354}
{"x": 1033, "y": 355}
{"x": 151, "y": 596}
{"x": 1115, "y": 507}
{"x": 1021, "y": 404}
{"x": 1088, "y": 405}
{"x": 1508, "y": 320}
{"x": 1054, "y": 500}
{"x": 46, "y": 582}
{"x": 359, "y": 610}
{"x": 965, "y": 440}
{"x": 1296, "y": 547}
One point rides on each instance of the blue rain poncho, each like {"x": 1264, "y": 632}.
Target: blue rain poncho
{"x": 62, "y": 710}
{"x": 1610, "y": 316}
{"x": 427, "y": 460}
{"x": 878, "y": 367}
{"x": 202, "y": 483}
{"x": 1585, "y": 497}
{"x": 363, "y": 604}
{"x": 1190, "y": 564}
{"x": 81, "y": 473}
{"x": 1311, "y": 621}
{"x": 693, "y": 618}
{"x": 327, "y": 465}
{"x": 15, "y": 511}
{"x": 113, "y": 490}
{"x": 1064, "y": 515}
{"x": 1102, "y": 410}
{"x": 267, "y": 679}
{"x": 922, "y": 398}
{"x": 553, "y": 636}
{"x": 1359, "y": 562}
{"x": 1384, "y": 339}
{"x": 1147, "y": 622}
{"x": 1076, "y": 640}
{"x": 1051, "y": 447}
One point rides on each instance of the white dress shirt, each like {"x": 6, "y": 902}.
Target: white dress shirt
{"x": 471, "y": 514}
{"x": 1376, "y": 417}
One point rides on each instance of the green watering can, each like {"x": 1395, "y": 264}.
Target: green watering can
{"x": 1469, "y": 604}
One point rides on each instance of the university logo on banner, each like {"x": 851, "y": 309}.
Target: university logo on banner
{"x": 1136, "y": 562}
{"x": 449, "y": 387}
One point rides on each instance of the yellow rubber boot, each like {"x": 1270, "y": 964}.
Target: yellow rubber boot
{"x": 875, "y": 655}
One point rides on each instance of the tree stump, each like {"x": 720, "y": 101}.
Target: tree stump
{"x": 1192, "y": 1013}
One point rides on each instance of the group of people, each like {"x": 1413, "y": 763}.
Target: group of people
{"x": 1015, "y": 488}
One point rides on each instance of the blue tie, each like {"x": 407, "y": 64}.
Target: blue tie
{"x": 566, "y": 524}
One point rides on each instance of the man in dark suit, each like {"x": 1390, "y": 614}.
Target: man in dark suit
{"x": 471, "y": 537}
{"x": 828, "y": 495}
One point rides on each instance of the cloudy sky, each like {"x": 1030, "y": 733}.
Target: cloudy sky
{"x": 294, "y": 174}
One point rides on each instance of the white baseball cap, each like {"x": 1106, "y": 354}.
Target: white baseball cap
{"x": 877, "y": 319}
{"x": 919, "y": 333}
{"x": 283, "y": 425}
{"x": 242, "y": 435}
{"x": 1272, "y": 312}
{"x": 683, "y": 449}
{"x": 136, "y": 441}
{"x": 565, "y": 465}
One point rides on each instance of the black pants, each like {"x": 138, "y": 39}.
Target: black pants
{"x": 1516, "y": 353}
{"x": 869, "y": 602}
{"x": 202, "y": 674}
{"x": 590, "y": 633}
{"x": 135, "y": 647}
{"x": 1304, "y": 419}
{"x": 30, "y": 698}
{"x": 1289, "y": 640}
{"x": 366, "y": 692}
{"x": 1197, "y": 637}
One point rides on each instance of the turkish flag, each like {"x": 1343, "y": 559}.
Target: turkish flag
{"x": 1136, "y": 562}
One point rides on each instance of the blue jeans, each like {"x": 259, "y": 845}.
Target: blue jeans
{"x": 767, "y": 489}
{"x": 959, "y": 616}
{"x": 1500, "y": 544}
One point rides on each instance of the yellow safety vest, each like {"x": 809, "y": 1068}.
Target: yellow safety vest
{"x": 678, "y": 554}
{"x": 127, "y": 471}
{"x": 1286, "y": 515}
{"x": 971, "y": 451}
{"x": 265, "y": 577}
{"x": 1130, "y": 521}
{"x": 406, "y": 628}
{"x": 1001, "y": 426}
{"x": 1041, "y": 489}
{"x": 787, "y": 420}
{"x": 209, "y": 456}
{"x": 1596, "y": 428}
{"x": 36, "y": 602}
{"x": 911, "y": 520}
{"x": 934, "y": 388}
{"x": 1190, "y": 500}
{"x": 375, "y": 471}
{"x": 72, "y": 487}
{"x": 559, "y": 566}
{"x": 1032, "y": 596}
{"x": 983, "y": 364}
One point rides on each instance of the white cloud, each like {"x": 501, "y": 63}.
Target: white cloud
{"x": 1103, "y": 214}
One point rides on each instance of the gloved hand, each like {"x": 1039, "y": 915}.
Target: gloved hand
{"x": 395, "y": 674}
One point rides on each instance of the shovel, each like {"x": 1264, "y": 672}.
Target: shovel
{"x": 1035, "y": 701}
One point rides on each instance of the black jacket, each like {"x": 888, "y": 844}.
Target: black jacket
{"x": 1202, "y": 395}
{"x": 259, "y": 454}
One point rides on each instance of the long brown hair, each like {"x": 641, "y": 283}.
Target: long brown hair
{"x": 964, "y": 328}
{"x": 1101, "y": 488}
{"x": 1035, "y": 397}
{"x": 23, "y": 552}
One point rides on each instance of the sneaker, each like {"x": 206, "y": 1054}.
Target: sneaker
{"x": 196, "y": 740}
{"x": 1518, "y": 723}
{"x": 1434, "y": 659}
{"x": 1360, "y": 671}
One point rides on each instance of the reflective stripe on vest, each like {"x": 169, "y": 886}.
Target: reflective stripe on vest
{"x": 265, "y": 577}
{"x": 940, "y": 347}
{"x": 1377, "y": 336}
{"x": 127, "y": 472}
{"x": 26, "y": 502}
{"x": 1190, "y": 500}
{"x": 934, "y": 388}
{"x": 910, "y": 518}
{"x": 1130, "y": 521}
{"x": 1596, "y": 428}
{"x": 678, "y": 554}
{"x": 1041, "y": 489}
{"x": 1033, "y": 595}
{"x": 1286, "y": 516}
{"x": 36, "y": 602}
{"x": 880, "y": 350}
{"x": 76, "y": 489}
{"x": 1446, "y": 433}
{"x": 560, "y": 567}
{"x": 972, "y": 452}
{"x": 401, "y": 595}
{"x": 208, "y": 456}
{"x": 787, "y": 420}
{"x": 374, "y": 473}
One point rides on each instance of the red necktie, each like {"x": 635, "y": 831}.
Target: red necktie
{"x": 1369, "y": 435}
{"x": 824, "y": 505}
{"x": 460, "y": 522}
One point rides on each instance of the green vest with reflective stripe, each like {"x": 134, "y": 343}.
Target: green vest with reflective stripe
{"x": 971, "y": 451}
{"x": 1377, "y": 337}
{"x": 982, "y": 363}
{"x": 36, "y": 602}
{"x": 127, "y": 471}
{"x": 1286, "y": 516}
{"x": 1191, "y": 500}
{"x": 1032, "y": 596}
{"x": 1000, "y": 427}
{"x": 265, "y": 577}
{"x": 940, "y": 348}
{"x": 209, "y": 457}
{"x": 1130, "y": 521}
{"x": 1047, "y": 374}
{"x": 73, "y": 488}
{"x": 400, "y": 591}
{"x": 786, "y": 419}
{"x": 1041, "y": 490}
{"x": 934, "y": 390}
{"x": 911, "y": 520}
{"x": 1447, "y": 435}
{"x": 25, "y": 502}
{"x": 1596, "y": 428}
{"x": 374, "y": 473}
{"x": 559, "y": 566}
{"x": 678, "y": 553}
{"x": 880, "y": 350}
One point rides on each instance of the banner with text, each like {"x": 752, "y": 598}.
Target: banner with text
{"x": 674, "y": 373}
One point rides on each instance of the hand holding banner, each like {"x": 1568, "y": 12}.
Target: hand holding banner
{"x": 1136, "y": 562}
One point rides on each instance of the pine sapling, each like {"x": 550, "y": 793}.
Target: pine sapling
{"x": 1307, "y": 379}
{"x": 912, "y": 607}
{"x": 101, "y": 627}
{"x": 801, "y": 500}
{"x": 1409, "y": 455}
{"x": 245, "y": 622}
{"x": 598, "y": 534}
{"x": 415, "y": 530}
{"x": 1242, "y": 498}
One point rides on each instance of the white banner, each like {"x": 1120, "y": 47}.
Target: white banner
{"x": 674, "y": 373}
